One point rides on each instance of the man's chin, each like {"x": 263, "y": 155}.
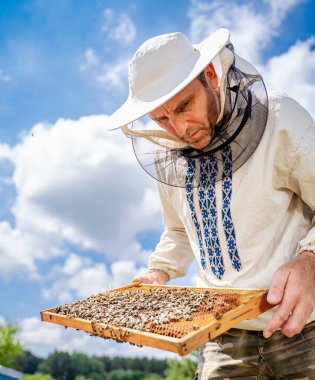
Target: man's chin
{"x": 200, "y": 145}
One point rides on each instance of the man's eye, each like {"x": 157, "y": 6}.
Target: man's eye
{"x": 183, "y": 107}
{"x": 162, "y": 123}
{"x": 162, "y": 120}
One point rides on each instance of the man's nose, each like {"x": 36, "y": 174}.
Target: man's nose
{"x": 179, "y": 125}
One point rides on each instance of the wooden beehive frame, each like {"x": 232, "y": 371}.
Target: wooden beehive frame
{"x": 252, "y": 303}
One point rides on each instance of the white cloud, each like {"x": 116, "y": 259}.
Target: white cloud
{"x": 4, "y": 77}
{"x": 280, "y": 8}
{"x": 122, "y": 270}
{"x": 77, "y": 184}
{"x": 111, "y": 72}
{"x": 2, "y": 321}
{"x": 44, "y": 338}
{"x": 115, "y": 74}
{"x": 90, "y": 59}
{"x": 80, "y": 277}
{"x": 19, "y": 250}
{"x": 72, "y": 264}
{"x": 87, "y": 280}
{"x": 119, "y": 27}
{"x": 263, "y": 23}
{"x": 5, "y": 152}
{"x": 125, "y": 30}
{"x": 293, "y": 72}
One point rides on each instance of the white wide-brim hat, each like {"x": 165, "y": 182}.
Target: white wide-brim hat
{"x": 161, "y": 68}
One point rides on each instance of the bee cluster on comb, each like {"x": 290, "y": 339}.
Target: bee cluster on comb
{"x": 144, "y": 309}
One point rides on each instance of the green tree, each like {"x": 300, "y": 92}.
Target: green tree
{"x": 155, "y": 366}
{"x": 58, "y": 365}
{"x": 85, "y": 365}
{"x": 98, "y": 376}
{"x": 121, "y": 374}
{"x": 149, "y": 366}
{"x": 81, "y": 377}
{"x": 107, "y": 363}
{"x": 181, "y": 369}
{"x": 153, "y": 377}
{"x": 10, "y": 348}
{"x": 37, "y": 376}
{"x": 26, "y": 362}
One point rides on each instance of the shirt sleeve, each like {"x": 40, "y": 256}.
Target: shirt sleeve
{"x": 302, "y": 177}
{"x": 173, "y": 254}
{"x": 301, "y": 164}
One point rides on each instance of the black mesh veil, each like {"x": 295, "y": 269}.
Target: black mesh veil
{"x": 244, "y": 105}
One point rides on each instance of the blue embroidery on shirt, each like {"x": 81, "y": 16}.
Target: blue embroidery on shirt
{"x": 208, "y": 208}
{"x": 226, "y": 210}
{"x": 190, "y": 198}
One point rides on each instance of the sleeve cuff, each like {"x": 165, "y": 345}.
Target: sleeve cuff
{"x": 310, "y": 248}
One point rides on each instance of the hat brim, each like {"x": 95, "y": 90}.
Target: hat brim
{"x": 134, "y": 109}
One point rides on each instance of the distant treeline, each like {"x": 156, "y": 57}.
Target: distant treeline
{"x": 78, "y": 366}
{"x": 65, "y": 366}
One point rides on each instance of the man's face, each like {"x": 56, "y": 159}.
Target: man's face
{"x": 192, "y": 113}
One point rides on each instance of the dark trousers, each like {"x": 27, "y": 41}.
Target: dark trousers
{"x": 243, "y": 354}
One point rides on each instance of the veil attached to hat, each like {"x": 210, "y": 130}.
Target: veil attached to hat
{"x": 240, "y": 125}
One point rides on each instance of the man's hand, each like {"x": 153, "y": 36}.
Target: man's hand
{"x": 293, "y": 288}
{"x": 153, "y": 276}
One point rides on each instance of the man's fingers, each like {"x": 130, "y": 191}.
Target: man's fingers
{"x": 153, "y": 276}
{"x": 137, "y": 279}
{"x": 292, "y": 312}
{"x": 276, "y": 291}
{"x": 274, "y": 297}
{"x": 296, "y": 320}
{"x": 280, "y": 317}
{"x": 142, "y": 280}
{"x": 293, "y": 287}
{"x": 288, "y": 299}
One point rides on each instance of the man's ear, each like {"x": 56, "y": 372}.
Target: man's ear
{"x": 211, "y": 76}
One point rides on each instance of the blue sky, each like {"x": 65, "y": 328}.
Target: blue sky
{"x": 77, "y": 214}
